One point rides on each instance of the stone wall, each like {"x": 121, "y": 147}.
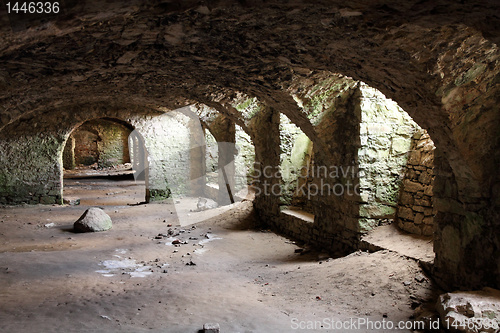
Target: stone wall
{"x": 296, "y": 151}
{"x": 86, "y": 150}
{"x": 100, "y": 141}
{"x": 113, "y": 146}
{"x": 385, "y": 137}
{"x": 31, "y": 153}
{"x": 167, "y": 140}
{"x": 415, "y": 206}
{"x": 30, "y": 165}
{"x": 244, "y": 159}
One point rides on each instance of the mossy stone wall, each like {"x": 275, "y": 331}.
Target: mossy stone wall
{"x": 100, "y": 141}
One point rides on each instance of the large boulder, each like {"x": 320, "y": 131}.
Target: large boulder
{"x": 94, "y": 219}
{"x": 470, "y": 311}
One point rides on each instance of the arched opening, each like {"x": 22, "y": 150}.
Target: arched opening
{"x": 229, "y": 174}
{"x": 244, "y": 163}
{"x": 368, "y": 165}
{"x": 97, "y": 164}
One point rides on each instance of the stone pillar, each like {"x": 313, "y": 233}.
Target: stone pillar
{"x": 264, "y": 129}
{"x": 224, "y": 131}
{"x": 336, "y": 206}
{"x": 467, "y": 233}
{"x": 138, "y": 155}
{"x": 197, "y": 167}
{"x": 69, "y": 154}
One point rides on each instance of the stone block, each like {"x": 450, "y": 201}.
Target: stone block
{"x": 414, "y": 158}
{"x": 400, "y": 145}
{"x": 419, "y": 218}
{"x": 407, "y": 199}
{"x": 448, "y": 205}
{"x": 377, "y": 211}
{"x": 411, "y": 228}
{"x": 411, "y": 174}
{"x": 428, "y": 220}
{"x": 368, "y": 155}
{"x": 428, "y": 190}
{"x": 365, "y": 196}
{"x": 376, "y": 128}
{"x": 405, "y": 130}
{"x": 382, "y": 142}
{"x": 428, "y": 211}
{"x": 363, "y": 139}
{"x": 406, "y": 213}
{"x": 418, "y": 134}
{"x": 419, "y": 209}
{"x": 425, "y": 178}
{"x": 427, "y": 160}
{"x": 366, "y": 225}
{"x": 424, "y": 201}
{"x": 413, "y": 187}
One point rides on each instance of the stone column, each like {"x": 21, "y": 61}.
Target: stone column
{"x": 224, "y": 131}
{"x": 69, "y": 154}
{"x": 265, "y": 134}
{"x": 197, "y": 167}
{"x": 467, "y": 236}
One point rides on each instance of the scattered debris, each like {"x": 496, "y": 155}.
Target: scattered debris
{"x": 205, "y": 204}
{"x": 211, "y": 328}
{"x": 420, "y": 278}
{"x": 71, "y": 201}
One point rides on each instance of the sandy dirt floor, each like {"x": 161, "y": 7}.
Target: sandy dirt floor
{"x": 134, "y": 278}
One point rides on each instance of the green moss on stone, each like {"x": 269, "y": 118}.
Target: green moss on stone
{"x": 376, "y": 210}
